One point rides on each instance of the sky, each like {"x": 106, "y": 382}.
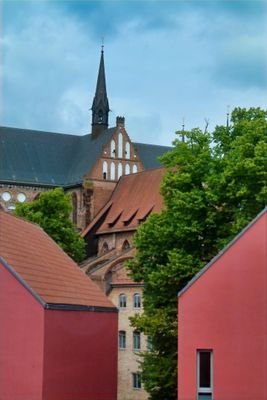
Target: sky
{"x": 168, "y": 63}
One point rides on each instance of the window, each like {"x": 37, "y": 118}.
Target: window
{"x": 136, "y": 380}
{"x": 122, "y": 300}
{"x": 112, "y": 171}
{"x": 204, "y": 374}
{"x": 127, "y": 150}
{"x": 74, "y": 208}
{"x": 105, "y": 170}
{"x": 120, "y": 139}
{"x": 112, "y": 149}
{"x": 119, "y": 170}
{"x": 127, "y": 169}
{"x": 149, "y": 343}
{"x": 136, "y": 340}
{"x": 122, "y": 340}
{"x": 137, "y": 300}
{"x": 126, "y": 245}
{"x": 104, "y": 248}
{"x": 135, "y": 169}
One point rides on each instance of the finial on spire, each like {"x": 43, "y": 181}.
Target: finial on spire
{"x": 102, "y": 45}
{"x": 227, "y": 117}
{"x": 183, "y": 138}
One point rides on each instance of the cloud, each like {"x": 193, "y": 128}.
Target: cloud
{"x": 165, "y": 61}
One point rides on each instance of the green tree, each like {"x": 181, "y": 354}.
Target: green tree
{"x": 52, "y": 212}
{"x": 214, "y": 185}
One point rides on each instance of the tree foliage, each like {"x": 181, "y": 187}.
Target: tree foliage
{"x": 214, "y": 185}
{"x": 52, "y": 212}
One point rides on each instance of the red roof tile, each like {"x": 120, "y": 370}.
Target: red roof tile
{"x": 133, "y": 199}
{"x": 44, "y": 267}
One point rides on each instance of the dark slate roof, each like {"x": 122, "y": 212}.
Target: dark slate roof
{"x": 149, "y": 154}
{"x": 56, "y": 159}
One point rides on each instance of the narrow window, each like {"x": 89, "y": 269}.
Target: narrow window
{"x": 137, "y": 384}
{"x": 112, "y": 171}
{"x": 122, "y": 340}
{"x": 149, "y": 343}
{"x": 137, "y": 300}
{"x": 126, "y": 245}
{"x": 135, "y": 169}
{"x": 204, "y": 374}
{"x": 112, "y": 149}
{"x": 127, "y": 169}
{"x": 105, "y": 170}
{"x": 74, "y": 208}
{"x": 104, "y": 248}
{"x": 122, "y": 300}
{"x": 120, "y": 140}
{"x": 136, "y": 340}
{"x": 127, "y": 150}
{"x": 119, "y": 170}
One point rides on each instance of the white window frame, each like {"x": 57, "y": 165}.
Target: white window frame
{"x": 137, "y": 295}
{"x": 136, "y": 340}
{"x": 204, "y": 390}
{"x": 122, "y": 300}
{"x": 122, "y": 340}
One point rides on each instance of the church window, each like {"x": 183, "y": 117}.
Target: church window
{"x": 127, "y": 150}
{"x": 137, "y": 300}
{"x": 112, "y": 171}
{"x": 74, "y": 208}
{"x": 112, "y": 148}
{"x": 122, "y": 300}
{"x": 127, "y": 169}
{"x": 105, "y": 170}
{"x": 126, "y": 245}
{"x": 104, "y": 248}
{"x": 21, "y": 197}
{"x": 122, "y": 340}
{"x": 120, "y": 140}
{"x": 119, "y": 170}
{"x": 135, "y": 169}
{"x": 6, "y": 196}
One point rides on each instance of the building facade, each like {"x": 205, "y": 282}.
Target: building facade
{"x": 222, "y": 322}
{"x": 58, "y": 331}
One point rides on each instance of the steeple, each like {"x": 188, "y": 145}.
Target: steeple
{"x": 100, "y": 106}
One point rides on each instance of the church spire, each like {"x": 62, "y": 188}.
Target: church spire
{"x": 100, "y": 106}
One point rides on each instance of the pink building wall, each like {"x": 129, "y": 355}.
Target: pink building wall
{"x": 225, "y": 310}
{"x": 21, "y": 341}
{"x": 80, "y": 361}
{"x": 54, "y": 354}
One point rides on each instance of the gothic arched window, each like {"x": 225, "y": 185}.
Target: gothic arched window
{"x": 127, "y": 169}
{"x": 122, "y": 300}
{"x": 112, "y": 148}
{"x": 135, "y": 169}
{"x": 74, "y": 208}
{"x": 112, "y": 171}
{"x": 137, "y": 300}
{"x": 120, "y": 140}
{"x": 119, "y": 170}
{"x": 105, "y": 170}
{"x": 127, "y": 150}
{"x": 126, "y": 245}
{"x": 104, "y": 248}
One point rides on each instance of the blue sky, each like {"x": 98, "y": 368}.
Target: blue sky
{"x": 166, "y": 61}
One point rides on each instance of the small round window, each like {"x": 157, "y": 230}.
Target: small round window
{"x": 21, "y": 197}
{"x": 6, "y": 196}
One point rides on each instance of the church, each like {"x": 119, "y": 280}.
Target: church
{"x": 86, "y": 166}
{"x": 114, "y": 184}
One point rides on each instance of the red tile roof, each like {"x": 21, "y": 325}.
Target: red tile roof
{"x": 134, "y": 198}
{"x": 44, "y": 267}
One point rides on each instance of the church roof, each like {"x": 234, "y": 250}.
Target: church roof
{"x": 134, "y": 198}
{"x": 55, "y": 159}
{"x": 43, "y": 268}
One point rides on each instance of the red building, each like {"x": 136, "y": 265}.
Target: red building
{"x": 222, "y": 342}
{"x": 58, "y": 331}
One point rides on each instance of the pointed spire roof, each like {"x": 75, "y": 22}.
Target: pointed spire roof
{"x": 101, "y": 91}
